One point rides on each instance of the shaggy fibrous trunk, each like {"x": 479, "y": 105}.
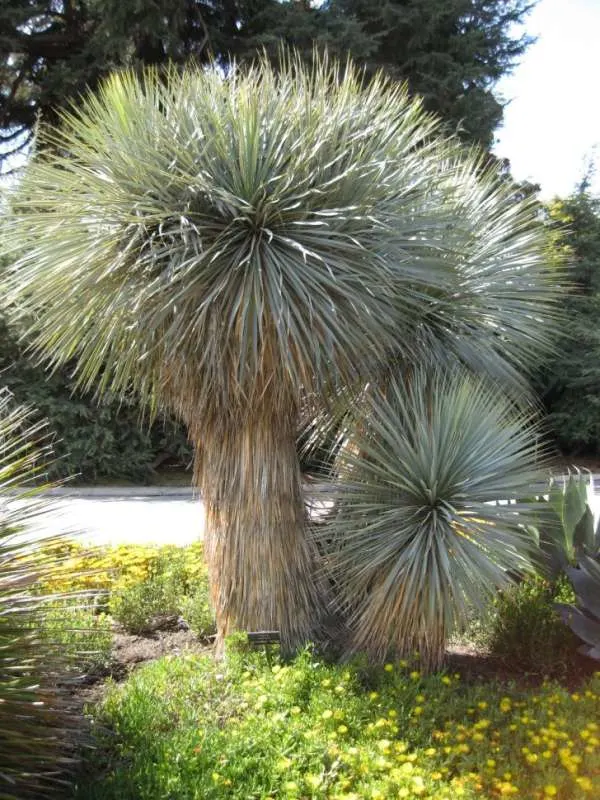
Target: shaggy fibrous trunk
{"x": 263, "y": 565}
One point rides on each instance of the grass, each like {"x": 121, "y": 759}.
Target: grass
{"x": 190, "y": 728}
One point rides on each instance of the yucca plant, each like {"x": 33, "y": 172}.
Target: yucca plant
{"x": 422, "y": 532}
{"x": 232, "y": 245}
{"x": 34, "y": 713}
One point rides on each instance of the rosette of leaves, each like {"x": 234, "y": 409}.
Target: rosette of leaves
{"x": 584, "y": 618}
{"x": 422, "y": 532}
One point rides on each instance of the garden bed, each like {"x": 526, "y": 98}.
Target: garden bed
{"x": 164, "y": 720}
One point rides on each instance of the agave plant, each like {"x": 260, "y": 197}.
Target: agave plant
{"x": 230, "y": 245}
{"x": 564, "y": 524}
{"x": 584, "y": 618}
{"x": 420, "y": 534}
{"x": 570, "y": 542}
{"x": 34, "y": 718}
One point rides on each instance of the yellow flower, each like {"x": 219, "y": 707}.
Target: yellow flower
{"x": 342, "y": 729}
{"x": 389, "y": 668}
{"x": 550, "y": 790}
{"x": 446, "y": 680}
{"x": 327, "y": 714}
{"x": 584, "y": 783}
{"x": 415, "y": 675}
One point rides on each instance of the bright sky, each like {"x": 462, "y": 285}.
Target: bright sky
{"x": 552, "y": 124}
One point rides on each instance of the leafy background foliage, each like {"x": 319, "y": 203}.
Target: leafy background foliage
{"x": 92, "y": 440}
{"x": 451, "y": 51}
{"x": 570, "y": 383}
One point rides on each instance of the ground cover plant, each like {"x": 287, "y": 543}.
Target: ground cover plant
{"x": 189, "y": 727}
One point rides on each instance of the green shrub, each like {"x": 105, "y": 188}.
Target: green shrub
{"x": 176, "y": 586}
{"x": 527, "y": 631}
{"x": 197, "y": 611}
{"x": 140, "y": 607}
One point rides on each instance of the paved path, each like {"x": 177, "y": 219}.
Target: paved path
{"x": 157, "y": 515}
{"x": 169, "y": 519}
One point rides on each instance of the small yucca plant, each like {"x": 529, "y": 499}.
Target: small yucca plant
{"x": 422, "y": 532}
{"x": 35, "y": 722}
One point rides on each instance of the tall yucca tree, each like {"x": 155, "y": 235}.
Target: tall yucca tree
{"x": 497, "y": 311}
{"x": 230, "y": 246}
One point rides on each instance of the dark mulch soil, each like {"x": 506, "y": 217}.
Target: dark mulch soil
{"x": 129, "y": 651}
{"x": 474, "y": 665}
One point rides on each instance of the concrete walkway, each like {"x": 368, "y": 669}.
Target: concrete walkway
{"x": 146, "y": 519}
{"x": 139, "y": 515}
{"x": 148, "y": 515}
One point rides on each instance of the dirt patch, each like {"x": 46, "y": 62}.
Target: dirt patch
{"x": 476, "y": 665}
{"x": 129, "y": 651}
